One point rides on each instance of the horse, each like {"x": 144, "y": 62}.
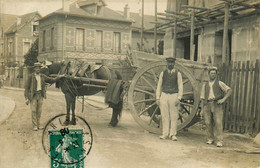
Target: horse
{"x": 73, "y": 88}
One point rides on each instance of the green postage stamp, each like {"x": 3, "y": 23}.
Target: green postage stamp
{"x": 66, "y": 148}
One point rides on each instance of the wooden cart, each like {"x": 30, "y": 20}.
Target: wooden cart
{"x": 141, "y": 93}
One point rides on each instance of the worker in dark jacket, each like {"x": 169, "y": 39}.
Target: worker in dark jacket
{"x": 35, "y": 91}
{"x": 213, "y": 95}
{"x": 169, "y": 93}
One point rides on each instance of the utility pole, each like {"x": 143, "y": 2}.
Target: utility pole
{"x": 142, "y": 27}
{"x": 155, "y": 27}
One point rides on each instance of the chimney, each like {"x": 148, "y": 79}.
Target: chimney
{"x": 126, "y": 12}
{"x": 18, "y": 20}
{"x": 65, "y": 5}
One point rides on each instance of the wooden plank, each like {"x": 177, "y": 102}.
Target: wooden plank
{"x": 155, "y": 27}
{"x": 237, "y": 98}
{"x": 257, "y": 108}
{"x": 247, "y": 105}
{"x": 234, "y": 97}
{"x": 225, "y": 34}
{"x": 241, "y": 98}
{"x": 258, "y": 98}
{"x": 251, "y": 118}
{"x": 253, "y": 112}
{"x": 192, "y": 36}
{"x": 229, "y": 77}
{"x": 226, "y": 112}
{"x": 245, "y": 96}
{"x": 177, "y": 13}
{"x": 175, "y": 40}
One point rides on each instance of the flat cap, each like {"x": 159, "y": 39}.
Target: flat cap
{"x": 212, "y": 69}
{"x": 37, "y": 64}
{"x": 170, "y": 59}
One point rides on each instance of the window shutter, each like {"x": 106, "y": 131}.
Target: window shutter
{"x": 48, "y": 39}
{"x": 125, "y": 38}
{"x": 90, "y": 39}
{"x": 108, "y": 41}
{"x": 70, "y": 38}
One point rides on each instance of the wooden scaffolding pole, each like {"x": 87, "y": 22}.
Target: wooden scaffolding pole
{"x": 175, "y": 39}
{"x": 142, "y": 27}
{"x": 225, "y": 34}
{"x": 155, "y": 27}
{"x": 192, "y": 48}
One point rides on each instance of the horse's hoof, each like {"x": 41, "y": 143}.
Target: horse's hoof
{"x": 66, "y": 123}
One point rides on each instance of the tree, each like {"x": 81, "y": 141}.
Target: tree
{"x": 31, "y": 56}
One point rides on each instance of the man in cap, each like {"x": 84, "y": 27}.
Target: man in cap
{"x": 168, "y": 95}
{"x": 35, "y": 91}
{"x": 213, "y": 95}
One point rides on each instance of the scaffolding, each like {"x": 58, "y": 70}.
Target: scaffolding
{"x": 191, "y": 18}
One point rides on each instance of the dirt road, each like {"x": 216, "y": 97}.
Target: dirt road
{"x": 126, "y": 145}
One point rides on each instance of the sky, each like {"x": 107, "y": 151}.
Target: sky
{"x": 44, "y": 7}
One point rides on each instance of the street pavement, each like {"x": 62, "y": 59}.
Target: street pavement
{"x": 126, "y": 145}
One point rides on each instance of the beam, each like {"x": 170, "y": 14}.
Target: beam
{"x": 175, "y": 39}
{"x": 155, "y": 27}
{"x": 142, "y": 27}
{"x": 192, "y": 35}
{"x": 177, "y": 13}
{"x": 194, "y": 7}
{"x": 225, "y": 34}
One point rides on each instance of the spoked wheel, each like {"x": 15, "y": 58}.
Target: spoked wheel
{"x": 142, "y": 97}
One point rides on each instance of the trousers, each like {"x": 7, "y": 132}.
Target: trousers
{"x": 36, "y": 108}
{"x": 169, "y": 113}
{"x": 213, "y": 116}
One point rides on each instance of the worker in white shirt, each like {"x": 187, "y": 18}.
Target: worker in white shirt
{"x": 213, "y": 95}
{"x": 168, "y": 96}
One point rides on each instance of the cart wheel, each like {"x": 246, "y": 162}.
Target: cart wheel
{"x": 142, "y": 99}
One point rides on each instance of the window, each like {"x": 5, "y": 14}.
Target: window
{"x": 99, "y": 40}
{"x": 2, "y": 49}
{"x": 116, "y": 42}
{"x": 52, "y": 38}
{"x": 35, "y": 28}
{"x": 26, "y": 47}
{"x": 10, "y": 48}
{"x": 43, "y": 40}
{"x": 79, "y": 39}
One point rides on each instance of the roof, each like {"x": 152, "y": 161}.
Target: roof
{"x": 6, "y": 20}
{"x": 75, "y": 10}
{"x": 24, "y": 20}
{"x": 138, "y": 20}
{"x": 148, "y": 19}
{"x": 90, "y": 2}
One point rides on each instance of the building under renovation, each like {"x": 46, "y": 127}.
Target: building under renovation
{"x": 212, "y": 31}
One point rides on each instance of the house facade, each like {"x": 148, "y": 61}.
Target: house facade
{"x": 19, "y": 38}
{"x": 243, "y": 32}
{"x": 6, "y": 20}
{"x": 84, "y": 30}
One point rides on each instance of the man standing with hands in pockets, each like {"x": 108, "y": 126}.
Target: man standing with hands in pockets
{"x": 169, "y": 92}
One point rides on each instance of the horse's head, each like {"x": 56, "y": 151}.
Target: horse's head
{"x": 52, "y": 68}
{"x": 73, "y": 67}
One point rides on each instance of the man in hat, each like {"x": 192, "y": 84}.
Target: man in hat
{"x": 213, "y": 95}
{"x": 168, "y": 95}
{"x": 35, "y": 91}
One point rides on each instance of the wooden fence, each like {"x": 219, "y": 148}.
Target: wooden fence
{"x": 242, "y": 110}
